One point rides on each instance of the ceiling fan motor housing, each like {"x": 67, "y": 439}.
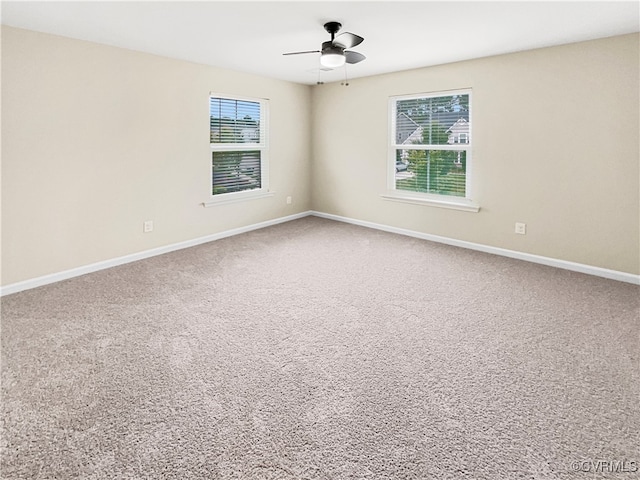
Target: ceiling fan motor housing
{"x": 329, "y": 48}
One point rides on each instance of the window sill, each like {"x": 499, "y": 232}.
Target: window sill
{"x": 464, "y": 205}
{"x": 236, "y": 197}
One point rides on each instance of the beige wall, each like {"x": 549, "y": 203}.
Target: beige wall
{"x": 96, "y": 140}
{"x": 556, "y": 145}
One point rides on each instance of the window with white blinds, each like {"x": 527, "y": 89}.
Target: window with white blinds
{"x": 237, "y": 134}
{"x": 430, "y": 144}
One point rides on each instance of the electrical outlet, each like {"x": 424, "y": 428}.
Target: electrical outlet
{"x": 148, "y": 226}
{"x": 521, "y": 228}
{"x": 288, "y": 200}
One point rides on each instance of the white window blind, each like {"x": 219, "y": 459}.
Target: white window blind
{"x": 235, "y": 121}
{"x": 431, "y": 144}
{"x": 237, "y": 133}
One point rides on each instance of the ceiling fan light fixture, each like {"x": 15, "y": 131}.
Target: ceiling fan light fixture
{"x": 332, "y": 60}
{"x": 332, "y": 55}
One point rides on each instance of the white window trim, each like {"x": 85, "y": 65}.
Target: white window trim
{"x": 418, "y": 198}
{"x": 236, "y": 197}
{"x": 245, "y": 195}
{"x": 433, "y": 201}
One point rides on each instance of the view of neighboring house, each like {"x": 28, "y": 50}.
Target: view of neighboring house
{"x": 456, "y": 124}
{"x": 459, "y": 132}
{"x": 407, "y": 131}
{"x": 251, "y": 134}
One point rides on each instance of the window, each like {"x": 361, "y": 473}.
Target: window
{"x": 238, "y": 141}
{"x": 430, "y": 152}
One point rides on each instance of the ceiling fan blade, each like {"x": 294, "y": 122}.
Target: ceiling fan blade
{"x": 299, "y": 53}
{"x": 354, "y": 57}
{"x": 348, "y": 40}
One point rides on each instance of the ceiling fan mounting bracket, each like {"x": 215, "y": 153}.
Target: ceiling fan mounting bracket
{"x": 332, "y": 28}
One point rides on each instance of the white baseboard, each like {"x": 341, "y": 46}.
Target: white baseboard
{"x": 94, "y": 267}
{"x": 552, "y": 262}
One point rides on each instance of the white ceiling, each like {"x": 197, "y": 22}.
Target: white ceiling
{"x": 252, "y": 36}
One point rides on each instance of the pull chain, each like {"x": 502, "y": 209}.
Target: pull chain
{"x": 346, "y": 80}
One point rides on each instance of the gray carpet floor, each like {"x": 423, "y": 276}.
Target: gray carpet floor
{"x": 317, "y": 350}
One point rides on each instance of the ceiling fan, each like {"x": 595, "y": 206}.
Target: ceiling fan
{"x": 334, "y": 52}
